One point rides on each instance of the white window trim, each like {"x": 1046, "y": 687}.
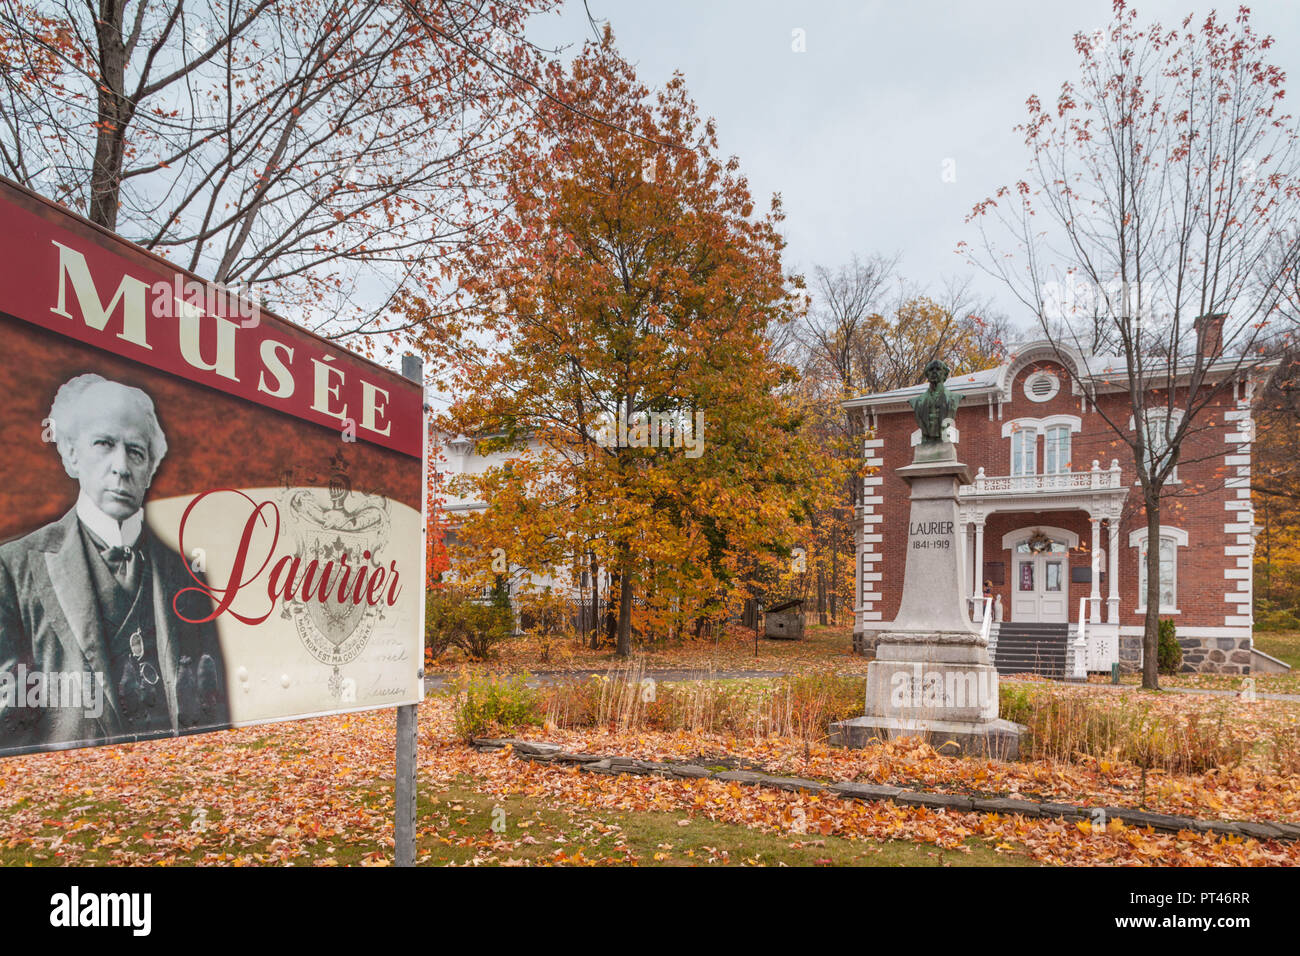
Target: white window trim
{"x": 1039, "y": 427}
{"x": 1061, "y": 468}
{"x": 1176, "y": 415}
{"x": 1031, "y": 437}
{"x": 1138, "y": 539}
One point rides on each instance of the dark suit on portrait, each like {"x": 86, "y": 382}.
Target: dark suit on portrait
{"x": 51, "y": 621}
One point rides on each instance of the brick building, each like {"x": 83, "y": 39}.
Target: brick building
{"x": 1054, "y": 520}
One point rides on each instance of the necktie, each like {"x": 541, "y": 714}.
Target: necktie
{"x": 122, "y": 563}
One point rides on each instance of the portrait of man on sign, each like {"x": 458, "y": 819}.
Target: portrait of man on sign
{"x": 91, "y": 647}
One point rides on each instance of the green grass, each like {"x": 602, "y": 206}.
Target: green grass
{"x": 106, "y": 817}
{"x": 1284, "y": 645}
{"x": 648, "y": 838}
{"x": 456, "y": 827}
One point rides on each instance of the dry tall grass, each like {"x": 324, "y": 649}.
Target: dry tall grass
{"x": 800, "y": 706}
{"x": 1068, "y": 727}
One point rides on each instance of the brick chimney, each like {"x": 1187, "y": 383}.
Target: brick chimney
{"x": 1209, "y": 335}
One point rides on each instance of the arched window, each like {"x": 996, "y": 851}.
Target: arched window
{"x": 1056, "y": 450}
{"x": 1056, "y": 431}
{"x": 1160, "y": 425}
{"x": 1171, "y": 539}
{"x": 1024, "y": 452}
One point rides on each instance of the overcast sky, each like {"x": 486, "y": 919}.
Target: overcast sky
{"x": 855, "y": 131}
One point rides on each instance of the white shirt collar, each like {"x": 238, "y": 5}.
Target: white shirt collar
{"x": 113, "y": 533}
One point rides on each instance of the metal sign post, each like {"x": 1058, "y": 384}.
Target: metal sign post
{"x": 408, "y": 714}
{"x": 404, "y": 831}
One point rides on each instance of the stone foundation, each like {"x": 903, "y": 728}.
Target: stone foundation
{"x": 1201, "y": 655}
{"x": 1215, "y": 655}
{"x": 1130, "y": 654}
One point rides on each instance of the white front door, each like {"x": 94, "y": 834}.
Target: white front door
{"x": 1040, "y": 591}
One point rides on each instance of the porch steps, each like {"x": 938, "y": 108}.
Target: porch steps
{"x": 1031, "y": 649}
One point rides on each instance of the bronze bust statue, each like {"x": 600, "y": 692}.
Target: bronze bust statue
{"x": 935, "y": 405}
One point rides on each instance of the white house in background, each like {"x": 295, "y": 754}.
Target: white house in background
{"x": 457, "y": 455}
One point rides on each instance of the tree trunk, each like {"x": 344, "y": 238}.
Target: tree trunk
{"x": 835, "y": 577}
{"x": 611, "y": 618}
{"x": 114, "y": 115}
{"x": 821, "y": 596}
{"x": 1151, "y": 625}
{"x": 593, "y": 619}
{"x": 625, "y": 611}
{"x": 1268, "y": 556}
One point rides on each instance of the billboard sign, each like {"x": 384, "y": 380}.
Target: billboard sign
{"x": 209, "y": 517}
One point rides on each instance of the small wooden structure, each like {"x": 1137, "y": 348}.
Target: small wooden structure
{"x": 784, "y": 621}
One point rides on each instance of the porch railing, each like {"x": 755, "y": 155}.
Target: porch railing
{"x": 1095, "y": 479}
{"x": 1077, "y": 657}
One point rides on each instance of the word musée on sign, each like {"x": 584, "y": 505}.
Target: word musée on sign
{"x": 209, "y": 517}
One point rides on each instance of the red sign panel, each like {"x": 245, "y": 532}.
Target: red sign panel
{"x": 209, "y": 517}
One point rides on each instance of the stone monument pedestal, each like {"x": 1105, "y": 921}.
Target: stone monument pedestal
{"x": 932, "y": 676}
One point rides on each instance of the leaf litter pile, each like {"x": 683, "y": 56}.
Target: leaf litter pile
{"x": 319, "y": 792}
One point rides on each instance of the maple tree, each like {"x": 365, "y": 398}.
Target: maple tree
{"x": 1156, "y": 221}
{"x": 623, "y": 304}
{"x": 824, "y": 557}
{"x": 321, "y": 154}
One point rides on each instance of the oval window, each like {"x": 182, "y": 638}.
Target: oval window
{"x": 1041, "y": 386}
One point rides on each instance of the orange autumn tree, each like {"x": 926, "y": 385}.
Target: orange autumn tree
{"x": 822, "y": 568}
{"x": 621, "y": 354}
{"x": 1275, "y": 481}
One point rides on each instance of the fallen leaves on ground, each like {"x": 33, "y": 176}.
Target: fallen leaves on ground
{"x": 319, "y": 791}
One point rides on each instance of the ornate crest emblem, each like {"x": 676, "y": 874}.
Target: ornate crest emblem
{"x": 346, "y": 532}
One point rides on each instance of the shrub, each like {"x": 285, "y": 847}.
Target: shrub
{"x": 814, "y": 700}
{"x": 457, "y": 617}
{"x": 437, "y": 634}
{"x": 487, "y": 626}
{"x": 1284, "y": 750}
{"x": 487, "y": 706}
{"x": 1169, "y": 653}
{"x": 1276, "y": 619}
{"x": 546, "y": 618}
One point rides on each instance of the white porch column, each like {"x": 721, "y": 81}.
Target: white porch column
{"x": 1112, "y": 574}
{"x": 1094, "y": 599}
{"x": 977, "y": 565}
{"x": 964, "y": 543}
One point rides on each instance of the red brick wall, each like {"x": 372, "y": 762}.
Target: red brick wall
{"x": 1196, "y": 505}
